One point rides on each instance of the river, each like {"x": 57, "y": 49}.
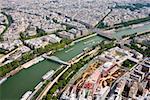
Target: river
{"x": 128, "y": 31}
{"x": 27, "y": 79}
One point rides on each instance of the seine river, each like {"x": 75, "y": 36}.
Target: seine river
{"x": 27, "y": 79}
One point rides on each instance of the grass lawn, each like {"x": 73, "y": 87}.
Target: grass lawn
{"x": 128, "y": 63}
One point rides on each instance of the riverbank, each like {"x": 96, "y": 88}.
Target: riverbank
{"x": 24, "y": 66}
{"x": 128, "y": 23}
{"x": 32, "y": 62}
{"x": 38, "y": 59}
{"x": 83, "y": 38}
{"x": 13, "y": 72}
{"x": 129, "y": 31}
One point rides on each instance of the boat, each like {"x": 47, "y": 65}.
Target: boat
{"x": 87, "y": 42}
{"x": 3, "y": 80}
{"x": 69, "y": 50}
{"x": 39, "y": 85}
{"x": 137, "y": 26}
{"x": 121, "y": 29}
{"x": 85, "y": 49}
{"x": 26, "y": 95}
{"x": 48, "y": 75}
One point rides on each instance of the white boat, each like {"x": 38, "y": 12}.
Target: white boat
{"x": 137, "y": 25}
{"x": 87, "y": 42}
{"x": 39, "y": 85}
{"x": 69, "y": 50}
{"x": 26, "y": 95}
{"x": 3, "y": 80}
{"x": 48, "y": 75}
{"x": 85, "y": 49}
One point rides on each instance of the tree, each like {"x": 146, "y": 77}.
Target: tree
{"x": 15, "y": 64}
{"x": 54, "y": 88}
{"x": 40, "y": 32}
{"x": 49, "y": 97}
{"x": 60, "y": 84}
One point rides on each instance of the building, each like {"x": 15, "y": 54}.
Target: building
{"x": 31, "y": 30}
{"x": 75, "y": 32}
{"x": 133, "y": 90}
{"x": 66, "y": 35}
{"x": 42, "y": 41}
{"x": 120, "y": 87}
{"x": 103, "y": 93}
{"x": 109, "y": 67}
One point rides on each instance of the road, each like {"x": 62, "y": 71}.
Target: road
{"x": 5, "y": 56}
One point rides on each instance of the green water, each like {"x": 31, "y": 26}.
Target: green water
{"x": 73, "y": 51}
{"x": 131, "y": 31}
{"x": 27, "y": 79}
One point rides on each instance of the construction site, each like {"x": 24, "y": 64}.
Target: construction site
{"x": 98, "y": 76}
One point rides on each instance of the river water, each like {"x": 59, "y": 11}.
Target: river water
{"x": 128, "y": 31}
{"x": 27, "y": 79}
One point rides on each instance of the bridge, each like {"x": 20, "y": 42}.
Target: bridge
{"x": 55, "y": 59}
{"x": 103, "y": 34}
{"x": 50, "y": 84}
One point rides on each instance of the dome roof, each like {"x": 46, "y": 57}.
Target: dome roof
{"x": 108, "y": 64}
